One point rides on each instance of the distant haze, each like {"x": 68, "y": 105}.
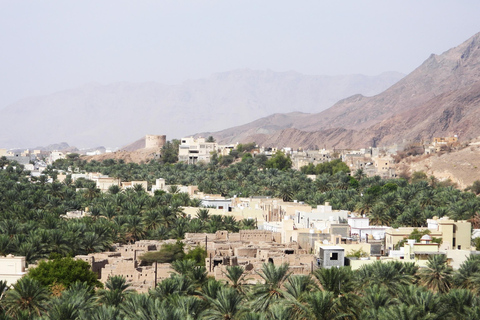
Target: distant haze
{"x": 117, "y": 114}
{"x": 49, "y": 46}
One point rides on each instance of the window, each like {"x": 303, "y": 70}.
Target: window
{"x": 333, "y": 255}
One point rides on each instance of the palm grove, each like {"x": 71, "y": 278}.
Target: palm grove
{"x": 31, "y": 226}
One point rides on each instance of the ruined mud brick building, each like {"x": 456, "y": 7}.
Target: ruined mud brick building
{"x": 250, "y": 249}
{"x": 124, "y": 261}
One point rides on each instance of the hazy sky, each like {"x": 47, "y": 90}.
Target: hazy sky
{"x": 47, "y": 46}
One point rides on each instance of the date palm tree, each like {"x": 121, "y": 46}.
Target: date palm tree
{"x": 211, "y": 288}
{"x": 175, "y": 285}
{"x": 143, "y": 307}
{"x": 400, "y": 312}
{"x": 226, "y": 306}
{"x": 459, "y": 303}
{"x": 5, "y": 244}
{"x": 152, "y": 219}
{"x": 188, "y": 307}
{"x": 27, "y": 295}
{"x": 428, "y": 303}
{"x": 73, "y": 303}
{"x": 322, "y": 305}
{"x": 336, "y": 280}
{"x": 387, "y": 274}
{"x": 203, "y": 214}
{"x": 437, "y": 276}
{"x": 135, "y": 228}
{"x": 376, "y": 297}
{"x": 264, "y": 294}
{"x": 115, "y": 292}
{"x": 102, "y": 312}
{"x": 468, "y": 275}
{"x": 236, "y": 276}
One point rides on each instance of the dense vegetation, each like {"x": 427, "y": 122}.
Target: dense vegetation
{"x": 30, "y": 225}
{"x": 395, "y": 202}
{"x": 386, "y": 291}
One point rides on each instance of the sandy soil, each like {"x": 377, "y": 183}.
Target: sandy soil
{"x": 138, "y": 156}
{"x": 462, "y": 167}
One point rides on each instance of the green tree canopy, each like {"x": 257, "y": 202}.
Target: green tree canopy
{"x": 279, "y": 161}
{"x": 331, "y": 167}
{"x": 65, "y": 271}
{"x": 170, "y": 151}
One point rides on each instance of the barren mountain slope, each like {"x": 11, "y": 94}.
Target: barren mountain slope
{"x": 456, "y": 112}
{"x": 259, "y": 128}
{"x": 462, "y": 167}
{"x": 294, "y": 138}
{"x": 455, "y": 69}
{"x": 136, "y": 156}
{"x": 139, "y": 144}
{"x": 441, "y": 97}
{"x": 453, "y": 113}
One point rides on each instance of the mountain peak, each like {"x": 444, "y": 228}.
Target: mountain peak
{"x": 439, "y": 98}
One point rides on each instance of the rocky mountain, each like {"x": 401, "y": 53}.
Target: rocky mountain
{"x": 114, "y": 114}
{"x": 459, "y": 166}
{"x": 440, "y": 97}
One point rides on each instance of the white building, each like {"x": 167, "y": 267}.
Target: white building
{"x": 319, "y": 218}
{"x": 54, "y": 156}
{"x": 360, "y": 228}
{"x": 12, "y": 268}
{"x": 223, "y": 204}
{"x": 192, "y": 150}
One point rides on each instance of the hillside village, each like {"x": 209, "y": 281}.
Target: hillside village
{"x": 373, "y": 161}
{"x": 293, "y": 232}
{"x": 240, "y": 160}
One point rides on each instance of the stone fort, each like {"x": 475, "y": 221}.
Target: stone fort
{"x": 154, "y": 141}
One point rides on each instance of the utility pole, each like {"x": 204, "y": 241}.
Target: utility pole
{"x": 156, "y": 262}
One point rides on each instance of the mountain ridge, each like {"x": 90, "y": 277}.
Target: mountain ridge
{"x": 447, "y": 81}
{"x": 113, "y": 114}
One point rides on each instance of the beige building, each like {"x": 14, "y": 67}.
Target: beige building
{"x": 250, "y": 249}
{"x": 124, "y": 260}
{"x": 132, "y": 184}
{"x": 261, "y": 209}
{"x": 12, "y": 268}
{"x": 445, "y": 140}
{"x": 54, "y": 156}
{"x": 193, "y": 150}
{"x": 106, "y": 182}
{"x": 160, "y": 185}
{"x": 455, "y": 235}
{"x": 385, "y": 166}
{"x": 304, "y": 158}
{"x": 247, "y": 248}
